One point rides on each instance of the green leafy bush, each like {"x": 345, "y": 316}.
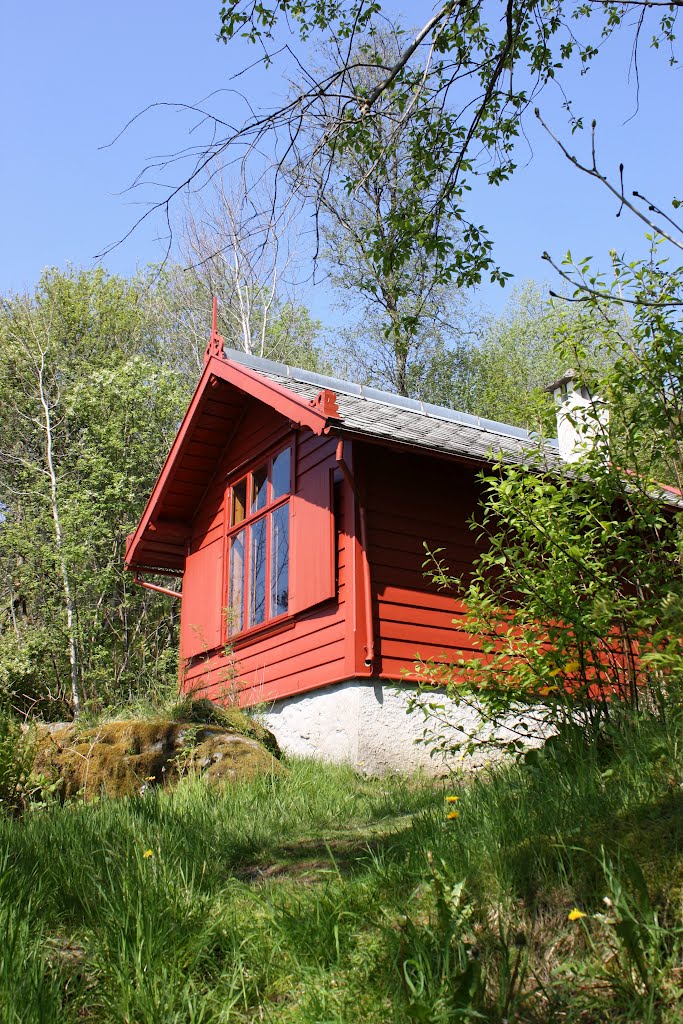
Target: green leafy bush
{"x": 575, "y": 602}
{"x": 16, "y": 762}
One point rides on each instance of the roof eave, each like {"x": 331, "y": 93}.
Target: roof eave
{"x": 420, "y": 448}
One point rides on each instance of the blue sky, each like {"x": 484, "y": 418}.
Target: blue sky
{"x": 72, "y": 74}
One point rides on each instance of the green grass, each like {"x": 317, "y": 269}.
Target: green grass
{"x": 320, "y": 897}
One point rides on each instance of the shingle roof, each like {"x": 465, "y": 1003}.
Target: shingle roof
{"x": 382, "y": 415}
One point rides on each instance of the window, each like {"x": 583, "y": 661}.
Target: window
{"x": 258, "y": 544}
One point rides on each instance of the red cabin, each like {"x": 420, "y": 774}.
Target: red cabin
{"x": 296, "y": 507}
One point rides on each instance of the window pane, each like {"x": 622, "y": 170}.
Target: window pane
{"x": 239, "y": 502}
{"x": 236, "y": 589}
{"x": 279, "y": 557}
{"x": 259, "y": 488}
{"x": 280, "y": 475}
{"x": 257, "y": 573}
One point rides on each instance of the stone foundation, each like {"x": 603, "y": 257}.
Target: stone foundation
{"x": 364, "y": 723}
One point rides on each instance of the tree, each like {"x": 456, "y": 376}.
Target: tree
{"x": 86, "y": 415}
{"x": 235, "y": 248}
{"x": 32, "y": 339}
{"x": 517, "y": 359}
{"x": 576, "y": 601}
{"x": 458, "y": 92}
{"x": 363, "y": 208}
{"x": 179, "y": 298}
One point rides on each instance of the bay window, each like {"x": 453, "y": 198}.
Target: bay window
{"x": 258, "y": 544}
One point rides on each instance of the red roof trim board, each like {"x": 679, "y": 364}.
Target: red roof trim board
{"x": 299, "y": 410}
{"x": 314, "y": 414}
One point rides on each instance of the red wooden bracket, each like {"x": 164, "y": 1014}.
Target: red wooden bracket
{"x": 216, "y": 341}
{"x": 326, "y": 403}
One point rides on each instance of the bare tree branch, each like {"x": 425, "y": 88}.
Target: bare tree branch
{"x": 618, "y": 193}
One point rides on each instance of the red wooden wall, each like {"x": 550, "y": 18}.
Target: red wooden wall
{"x": 410, "y": 498}
{"x": 292, "y": 656}
{"x": 413, "y": 499}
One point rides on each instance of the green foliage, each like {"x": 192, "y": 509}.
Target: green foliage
{"x": 438, "y": 964}
{"x": 575, "y": 602}
{"x": 517, "y": 359}
{"x": 89, "y": 342}
{"x": 16, "y": 762}
{"x": 34, "y": 995}
{"x": 457, "y": 104}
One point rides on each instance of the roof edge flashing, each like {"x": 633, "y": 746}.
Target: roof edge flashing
{"x": 376, "y": 395}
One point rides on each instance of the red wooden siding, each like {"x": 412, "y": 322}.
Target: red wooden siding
{"x": 410, "y": 500}
{"x": 401, "y": 499}
{"x": 305, "y": 650}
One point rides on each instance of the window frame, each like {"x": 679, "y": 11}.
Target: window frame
{"x": 245, "y": 472}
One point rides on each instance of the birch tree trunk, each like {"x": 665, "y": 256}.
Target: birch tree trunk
{"x": 47, "y": 426}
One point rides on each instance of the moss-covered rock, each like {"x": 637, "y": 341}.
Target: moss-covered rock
{"x": 124, "y": 758}
{"x": 205, "y": 711}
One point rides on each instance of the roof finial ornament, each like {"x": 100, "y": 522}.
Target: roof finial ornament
{"x": 216, "y": 341}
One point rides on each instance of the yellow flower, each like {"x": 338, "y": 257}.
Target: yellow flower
{"x": 572, "y": 666}
{"x": 452, "y": 799}
{"x": 148, "y": 853}
{"x": 576, "y": 914}
{"x": 452, "y": 815}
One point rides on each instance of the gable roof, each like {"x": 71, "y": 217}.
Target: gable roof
{"x": 213, "y": 415}
{"x": 380, "y": 415}
{"x": 323, "y": 404}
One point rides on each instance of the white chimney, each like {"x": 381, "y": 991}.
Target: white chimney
{"x": 582, "y": 418}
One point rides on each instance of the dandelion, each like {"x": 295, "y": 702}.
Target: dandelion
{"x": 452, "y": 815}
{"x": 576, "y": 914}
{"x": 147, "y": 854}
{"x": 452, "y": 799}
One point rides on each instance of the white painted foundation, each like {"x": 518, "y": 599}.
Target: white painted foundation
{"x": 364, "y": 722}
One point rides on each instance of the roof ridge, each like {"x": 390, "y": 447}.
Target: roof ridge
{"x": 375, "y": 394}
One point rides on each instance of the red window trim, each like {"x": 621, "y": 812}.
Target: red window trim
{"x": 240, "y": 473}
{"x": 261, "y": 632}
{"x": 264, "y": 630}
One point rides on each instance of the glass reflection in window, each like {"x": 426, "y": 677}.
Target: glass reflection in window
{"x": 258, "y": 553}
{"x": 259, "y": 489}
{"x": 257, "y": 574}
{"x": 239, "y": 502}
{"x": 279, "y": 557}
{"x": 280, "y": 474}
{"x": 236, "y": 588}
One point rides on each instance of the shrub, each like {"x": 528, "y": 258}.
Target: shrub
{"x": 17, "y": 753}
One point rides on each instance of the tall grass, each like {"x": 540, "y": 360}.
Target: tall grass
{"x": 319, "y": 896}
